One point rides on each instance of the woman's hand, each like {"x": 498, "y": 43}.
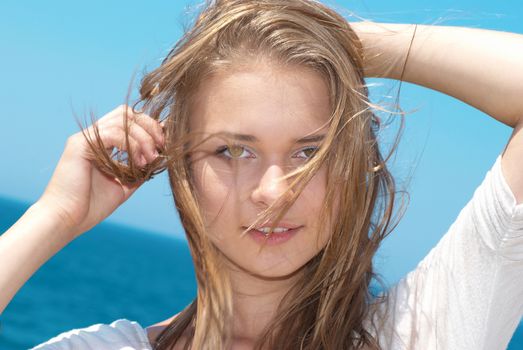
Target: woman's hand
{"x": 77, "y": 198}
{"x": 79, "y": 195}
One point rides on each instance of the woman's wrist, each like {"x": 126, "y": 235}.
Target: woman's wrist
{"x": 452, "y": 60}
{"x": 51, "y": 218}
{"x": 386, "y": 47}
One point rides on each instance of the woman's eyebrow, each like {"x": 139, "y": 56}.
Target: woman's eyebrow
{"x": 254, "y": 139}
{"x": 310, "y": 139}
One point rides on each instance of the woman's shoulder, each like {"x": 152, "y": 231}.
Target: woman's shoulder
{"x": 154, "y": 330}
{"x": 117, "y": 335}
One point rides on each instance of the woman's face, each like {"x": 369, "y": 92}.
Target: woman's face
{"x": 268, "y": 112}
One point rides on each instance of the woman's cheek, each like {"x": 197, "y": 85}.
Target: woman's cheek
{"x": 218, "y": 198}
{"x": 208, "y": 189}
{"x": 312, "y": 203}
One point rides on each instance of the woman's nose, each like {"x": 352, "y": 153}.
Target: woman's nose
{"x": 271, "y": 186}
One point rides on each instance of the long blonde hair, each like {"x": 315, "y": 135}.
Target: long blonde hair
{"x": 330, "y": 307}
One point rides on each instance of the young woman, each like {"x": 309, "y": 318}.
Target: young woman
{"x": 261, "y": 116}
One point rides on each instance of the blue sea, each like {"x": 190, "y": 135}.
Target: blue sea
{"x": 108, "y": 273}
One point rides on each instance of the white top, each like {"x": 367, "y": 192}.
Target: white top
{"x": 467, "y": 293}
{"x": 121, "y": 334}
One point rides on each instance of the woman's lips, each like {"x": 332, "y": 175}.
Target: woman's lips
{"x": 274, "y": 238}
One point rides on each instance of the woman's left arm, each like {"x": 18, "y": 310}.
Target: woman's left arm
{"x": 483, "y": 68}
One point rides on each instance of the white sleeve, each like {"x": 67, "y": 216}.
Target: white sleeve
{"x": 120, "y": 335}
{"x": 467, "y": 293}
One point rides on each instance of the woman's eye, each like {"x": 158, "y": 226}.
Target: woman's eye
{"x": 233, "y": 152}
{"x": 308, "y": 152}
{"x": 239, "y": 152}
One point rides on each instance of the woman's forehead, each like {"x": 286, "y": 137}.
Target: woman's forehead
{"x": 263, "y": 100}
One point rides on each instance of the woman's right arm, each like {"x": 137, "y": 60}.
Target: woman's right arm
{"x": 31, "y": 241}
{"x": 78, "y": 197}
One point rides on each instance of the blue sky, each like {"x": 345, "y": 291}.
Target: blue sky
{"x": 62, "y": 56}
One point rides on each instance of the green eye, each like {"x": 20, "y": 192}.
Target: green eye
{"x": 308, "y": 152}
{"x": 234, "y": 152}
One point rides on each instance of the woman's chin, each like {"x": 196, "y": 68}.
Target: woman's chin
{"x": 269, "y": 262}
{"x": 277, "y": 268}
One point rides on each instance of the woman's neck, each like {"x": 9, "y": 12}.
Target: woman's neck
{"x": 255, "y": 302}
